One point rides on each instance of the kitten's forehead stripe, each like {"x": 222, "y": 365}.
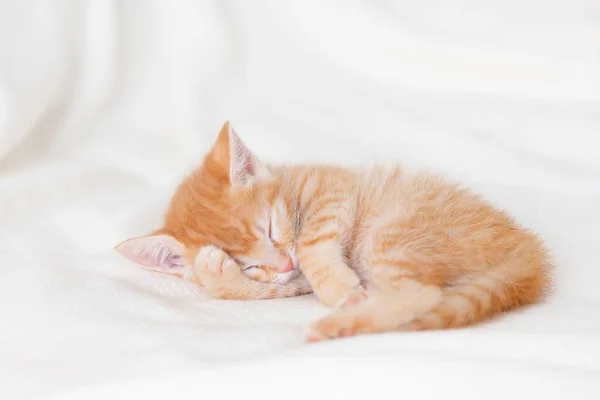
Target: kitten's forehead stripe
{"x": 259, "y": 228}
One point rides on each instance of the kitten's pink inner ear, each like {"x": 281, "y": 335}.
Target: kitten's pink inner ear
{"x": 242, "y": 163}
{"x": 160, "y": 252}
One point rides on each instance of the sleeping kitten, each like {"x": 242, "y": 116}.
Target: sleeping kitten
{"x": 389, "y": 249}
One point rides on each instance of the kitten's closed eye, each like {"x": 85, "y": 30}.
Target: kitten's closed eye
{"x": 265, "y": 274}
{"x": 249, "y": 267}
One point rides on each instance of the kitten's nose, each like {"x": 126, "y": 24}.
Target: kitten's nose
{"x": 288, "y": 267}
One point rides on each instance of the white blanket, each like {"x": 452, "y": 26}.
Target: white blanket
{"x": 105, "y": 105}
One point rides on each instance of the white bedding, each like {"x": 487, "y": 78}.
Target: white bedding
{"x": 104, "y": 105}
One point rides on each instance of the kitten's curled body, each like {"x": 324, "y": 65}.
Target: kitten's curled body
{"x": 390, "y": 249}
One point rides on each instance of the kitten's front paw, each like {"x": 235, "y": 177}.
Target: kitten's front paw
{"x": 339, "y": 289}
{"x": 353, "y": 298}
{"x": 216, "y": 271}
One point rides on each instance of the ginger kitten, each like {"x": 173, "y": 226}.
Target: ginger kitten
{"x": 388, "y": 249}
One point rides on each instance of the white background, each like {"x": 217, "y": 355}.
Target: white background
{"x": 105, "y": 105}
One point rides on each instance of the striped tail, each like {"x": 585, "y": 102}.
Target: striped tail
{"x": 484, "y": 296}
{"x": 474, "y": 299}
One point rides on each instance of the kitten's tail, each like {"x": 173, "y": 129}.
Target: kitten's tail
{"x": 480, "y": 297}
{"x": 523, "y": 279}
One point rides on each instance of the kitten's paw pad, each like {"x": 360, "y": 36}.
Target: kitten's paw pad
{"x": 354, "y": 298}
{"x": 313, "y": 338}
{"x": 338, "y": 325}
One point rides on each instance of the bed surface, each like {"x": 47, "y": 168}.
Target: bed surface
{"x": 104, "y": 106}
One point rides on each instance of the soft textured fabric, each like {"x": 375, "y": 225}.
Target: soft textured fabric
{"x": 105, "y": 105}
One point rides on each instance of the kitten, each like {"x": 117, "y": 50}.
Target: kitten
{"x": 389, "y": 249}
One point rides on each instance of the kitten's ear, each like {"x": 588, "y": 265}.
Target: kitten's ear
{"x": 239, "y": 162}
{"x": 155, "y": 252}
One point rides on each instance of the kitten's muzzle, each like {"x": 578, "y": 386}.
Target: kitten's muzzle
{"x": 286, "y": 267}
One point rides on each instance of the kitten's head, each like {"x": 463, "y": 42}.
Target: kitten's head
{"x": 233, "y": 202}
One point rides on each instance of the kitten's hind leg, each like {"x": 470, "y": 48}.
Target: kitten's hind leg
{"x": 382, "y": 312}
{"x": 398, "y": 295}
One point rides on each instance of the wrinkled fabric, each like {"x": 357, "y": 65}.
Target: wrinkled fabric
{"x": 106, "y": 105}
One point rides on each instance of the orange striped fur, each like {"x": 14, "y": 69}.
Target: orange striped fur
{"x": 391, "y": 250}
